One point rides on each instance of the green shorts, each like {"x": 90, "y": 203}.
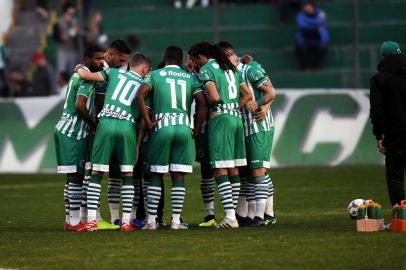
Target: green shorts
{"x": 171, "y": 148}
{"x": 70, "y": 153}
{"x": 202, "y": 148}
{"x": 259, "y": 146}
{"x": 226, "y": 142}
{"x": 114, "y": 137}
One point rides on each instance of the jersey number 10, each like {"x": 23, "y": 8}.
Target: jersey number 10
{"x": 124, "y": 97}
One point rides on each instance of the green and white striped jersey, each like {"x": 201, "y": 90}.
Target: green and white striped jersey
{"x": 228, "y": 87}
{"x": 172, "y": 90}
{"x": 120, "y": 94}
{"x": 70, "y": 123}
{"x": 255, "y": 76}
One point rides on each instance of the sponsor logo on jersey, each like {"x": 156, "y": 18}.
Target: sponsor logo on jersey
{"x": 215, "y": 65}
{"x": 163, "y": 73}
{"x": 178, "y": 74}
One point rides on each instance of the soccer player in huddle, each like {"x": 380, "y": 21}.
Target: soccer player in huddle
{"x": 116, "y": 134}
{"x": 116, "y": 56}
{"x": 171, "y": 146}
{"x": 227, "y": 93}
{"x": 256, "y": 205}
{"x": 72, "y": 133}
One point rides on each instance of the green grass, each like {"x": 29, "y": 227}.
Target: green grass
{"x": 313, "y": 229}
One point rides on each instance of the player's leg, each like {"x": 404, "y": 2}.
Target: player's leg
{"x": 137, "y": 182}
{"x": 242, "y": 207}
{"x": 86, "y": 179}
{"x": 181, "y": 162}
{"x": 221, "y": 143}
{"x": 158, "y": 157}
{"x": 126, "y": 154}
{"x": 114, "y": 191}
{"x": 269, "y": 216}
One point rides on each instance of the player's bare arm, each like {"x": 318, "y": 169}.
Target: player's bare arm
{"x": 201, "y": 114}
{"x": 142, "y": 93}
{"x": 245, "y": 95}
{"x": 83, "y": 112}
{"x": 261, "y": 113}
{"x": 269, "y": 95}
{"x": 212, "y": 94}
{"x": 89, "y": 76}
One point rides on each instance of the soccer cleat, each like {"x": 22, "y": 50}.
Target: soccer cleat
{"x": 127, "y": 227}
{"x": 179, "y": 226}
{"x": 87, "y": 227}
{"x": 269, "y": 220}
{"x": 209, "y": 221}
{"x": 160, "y": 222}
{"x": 117, "y": 222}
{"x": 67, "y": 227}
{"x": 137, "y": 223}
{"x": 227, "y": 223}
{"x": 243, "y": 221}
{"x": 104, "y": 225}
{"x": 257, "y": 222}
{"x": 150, "y": 226}
{"x": 81, "y": 227}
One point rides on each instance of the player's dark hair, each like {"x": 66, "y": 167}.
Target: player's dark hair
{"x": 225, "y": 45}
{"x": 139, "y": 59}
{"x": 120, "y": 46}
{"x": 161, "y": 65}
{"x": 173, "y": 55}
{"x": 91, "y": 50}
{"x": 214, "y": 51}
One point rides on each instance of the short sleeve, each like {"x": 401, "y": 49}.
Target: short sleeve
{"x": 206, "y": 75}
{"x": 196, "y": 85}
{"x": 105, "y": 74}
{"x": 241, "y": 78}
{"x": 257, "y": 76}
{"x": 85, "y": 89}
{"x": 149, "y": 80}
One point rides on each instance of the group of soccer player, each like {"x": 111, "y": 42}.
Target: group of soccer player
{"x": 136, "y": 124}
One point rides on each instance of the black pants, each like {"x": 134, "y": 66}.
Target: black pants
{"x": 311, "y": 57}
{"x": 395, "y": 161}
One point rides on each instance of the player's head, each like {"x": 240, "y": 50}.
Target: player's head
{"x": 117, "y": 53}
{"x": 140, "y": 64}
{"x": 93, "y": 57}
{"x": 189, "y": 64}
{"x": 228, "y": 49}
{"x": 308, "y": 7}
{"x": 173, "y": 56}
{"x": 201, "y": 52}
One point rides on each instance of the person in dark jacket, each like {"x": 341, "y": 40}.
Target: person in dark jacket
{"x": 388, "y": 116}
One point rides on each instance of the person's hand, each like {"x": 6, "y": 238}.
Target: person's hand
{"x": 251, "y": 106}
{"x": 92, "y": 126}
{"x": 381, "y": 148}
{"x": 259, "y": 115}
{"x": 195, "y": 133}
{"x": 151, "y": 124}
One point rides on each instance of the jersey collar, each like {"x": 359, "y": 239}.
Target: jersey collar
{"x": 135, "y": 73}
{"x": 174, "y": 66}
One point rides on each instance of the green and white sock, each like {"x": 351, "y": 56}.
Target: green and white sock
{"x": 153, "y": 197}
{"x": 136, "y": 200}
{"x": 251, "y": 199}
{"x": 93, "y": 197}
{"x": 177, "y": 197}
{"x": 242, "y": 207}
{"x": 269, "y": 202}
{"x": 83, "y": 207}
{"x": 225, "y": 191}
{"x": 113, "y": 193}
{"x": 127, "y": 197}
{"x": 75, "y": 200}
{"x": 235, "y": 185}
{"x": 261, "y": 195}
{"x": 207, "y": 189}
{"x": 66, "y": 201}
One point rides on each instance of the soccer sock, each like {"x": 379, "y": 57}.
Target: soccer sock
{"x": 98, "y": 215}
{"x": 242, "y": 208}
{"x": 177, "y": 197}
{"x": 113, "y": 192}
{"x": 153, "y": 196}
{"x": 226, "y": 196}
{"x": 75, "y": 200}
{"x": 136, "y": 200}
{"x": 251, "y": 199}
{"x": 261, "y": 195}
{"x": 145, "y": 188}
{"x": 269, "y": 202}
{"x": 207, "y": 190}
{"x": 127, "y": 197}
{"x": 83, "y": 207}
{"x": 93, "y": 197}
{"x": 235, "y": 185}
{"x": 66, "y": 200}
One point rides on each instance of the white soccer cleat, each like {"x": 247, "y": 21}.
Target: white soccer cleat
{"x": 150, "y": 226}
{"x": 227, "y": 223}
{"x": 178, "y": 226}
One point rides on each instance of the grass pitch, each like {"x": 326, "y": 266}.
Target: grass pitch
{"x": 313, "y": 229}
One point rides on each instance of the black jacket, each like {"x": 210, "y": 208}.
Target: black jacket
{"x": 388, "y": 98}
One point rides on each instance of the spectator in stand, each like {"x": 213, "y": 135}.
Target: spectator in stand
{"x": 94, "y": 30}
{"x": 42, "y": 9}
{"x": 19, "y": 85}
{"x": 190, "y": 3}
{"x": 312, "y": 36}
{"x": 63, "y": 81}
{"x": 66, "y": 35}
{"x": 4, "y": 89}
{"x": 44, "y": 78}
